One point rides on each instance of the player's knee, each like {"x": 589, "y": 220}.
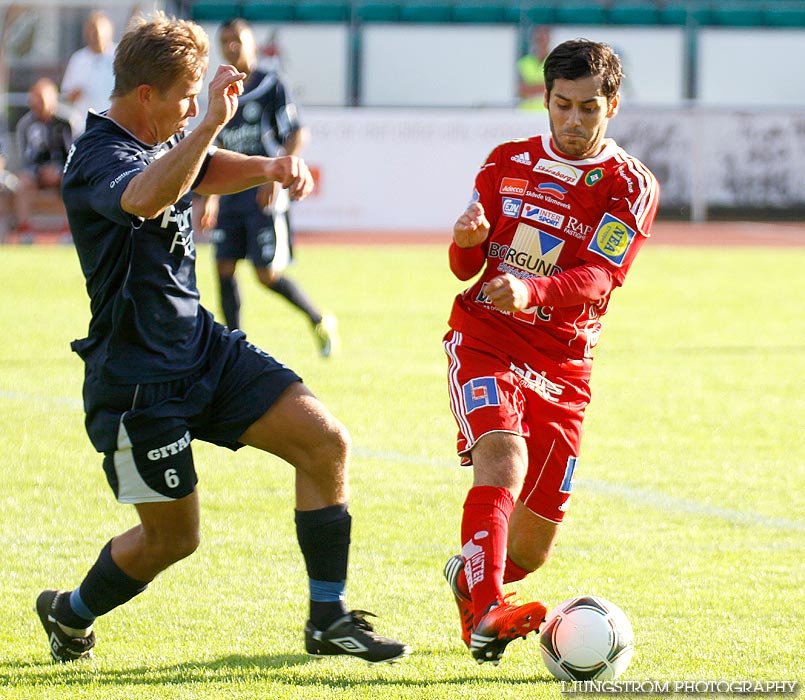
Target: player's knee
{"x": 334, "y": 445}
{"x": 175, "y": 546}
{"x": 327, "y": 453}
{"x": 268, "y": 276}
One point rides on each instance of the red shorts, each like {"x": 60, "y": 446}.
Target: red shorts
{"x": 491, "y": 392}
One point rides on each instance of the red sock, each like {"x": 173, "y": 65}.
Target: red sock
{"x": 513, "y": 572}
{"x": 484, "y": 534}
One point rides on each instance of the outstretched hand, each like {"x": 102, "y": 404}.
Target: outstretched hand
{"x": 292, "y": 173}
{"x": 223, "y": 93}
{"x": 471, "y": 228}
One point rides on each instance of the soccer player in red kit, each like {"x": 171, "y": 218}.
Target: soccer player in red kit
{"x": 555, "y": 222}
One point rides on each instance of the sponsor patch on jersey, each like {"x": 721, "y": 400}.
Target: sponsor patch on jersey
{"x": 480, "y": 392}
{"x": 552, "y": 189}
{"x": 534, "y": 251}
{"x": 593, "y": 176}
{"x": 543, "y": 216}
{"x": 561, "y": 171}
{"x": 577, "y": 229}
{"x": 511, "y": 207}
{"x": 513, "y": 185}
{"x": 611, "y": 239}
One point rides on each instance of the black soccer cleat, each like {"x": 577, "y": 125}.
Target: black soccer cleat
{"x": 63, "y": 647}
{"x": 352, "y": 635}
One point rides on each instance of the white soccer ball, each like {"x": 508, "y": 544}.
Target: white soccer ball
{"x": 586, "y": 638}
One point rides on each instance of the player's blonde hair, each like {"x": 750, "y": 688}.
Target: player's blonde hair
{"x": 159, "y": 50}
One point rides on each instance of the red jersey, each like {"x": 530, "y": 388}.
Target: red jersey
{"x": 572, "y": 227}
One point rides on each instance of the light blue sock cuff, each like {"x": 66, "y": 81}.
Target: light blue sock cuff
{"x": 327, "y": 591}
{"x": 78, "y": 606}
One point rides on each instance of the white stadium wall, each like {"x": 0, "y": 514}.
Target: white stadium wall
{"x": 413, "y": 170}
{"x": 438, "y": 66}
{"x": 751, "y": 67}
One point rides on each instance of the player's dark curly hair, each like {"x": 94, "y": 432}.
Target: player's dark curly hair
{"x": 582, "y": 58}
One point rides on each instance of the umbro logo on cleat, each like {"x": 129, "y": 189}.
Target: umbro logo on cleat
{"x": 522, "y": 158}
{"x": 349, "y": 645}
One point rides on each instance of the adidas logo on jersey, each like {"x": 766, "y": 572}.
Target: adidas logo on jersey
{"x": 522, "y": 158}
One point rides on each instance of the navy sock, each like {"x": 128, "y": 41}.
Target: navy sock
{"x": 104, "y": 588}
{"x": 324, "y": 538}
{"x": 293, "y": 293}
{"x": 230, "y": 301}
{"x": 66, "y": 611}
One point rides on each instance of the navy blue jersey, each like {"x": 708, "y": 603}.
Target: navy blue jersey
{"x": 266, "y": 117}
{"x": 147, "y": 324}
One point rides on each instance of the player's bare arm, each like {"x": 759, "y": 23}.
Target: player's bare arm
{"x": 230, "y": 172}
{"x": 208, "y": 219}
{"x": 472, "y": 227}
{"x": 267, "y": 194}
{"x": 167, "y": 179}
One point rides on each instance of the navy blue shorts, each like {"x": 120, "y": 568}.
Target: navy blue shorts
{"x": 145, "y": 430}
{"x": 246, "y": 231}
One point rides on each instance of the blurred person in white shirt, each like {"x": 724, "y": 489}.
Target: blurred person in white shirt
{"x": 89, "y": 77}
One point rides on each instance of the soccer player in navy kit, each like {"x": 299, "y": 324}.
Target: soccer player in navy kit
{"x": 255, "y": 223}
{"x": 159, "y": 371}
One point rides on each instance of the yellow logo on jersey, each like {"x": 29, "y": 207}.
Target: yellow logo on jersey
{"x": 612, "y": 239}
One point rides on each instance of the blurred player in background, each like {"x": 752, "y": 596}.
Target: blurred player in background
{"x": 555, "y": 222}
{"x": 159, "y": 371}
{"x": 530, "y": 77}
{"x": 255, "y": 224}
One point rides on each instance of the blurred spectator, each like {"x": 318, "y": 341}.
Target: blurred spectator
{"x": 530, "y": 82}
{"x": 89, "y": 77}
{"x": 44, "y": 137}
{"x": 8, "y": 187}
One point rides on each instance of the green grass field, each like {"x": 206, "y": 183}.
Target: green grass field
{"x": 688, "y": 511}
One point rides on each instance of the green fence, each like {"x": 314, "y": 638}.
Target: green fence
{"x": 725, "y": 13}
